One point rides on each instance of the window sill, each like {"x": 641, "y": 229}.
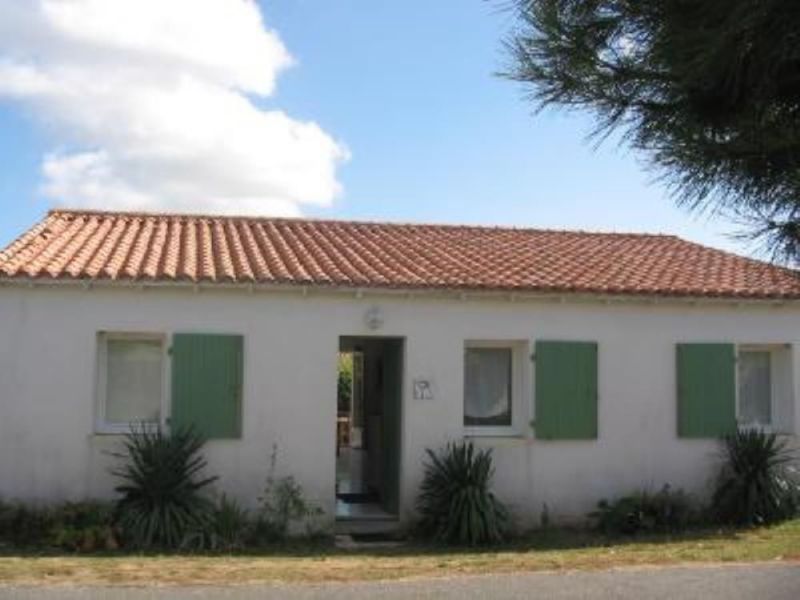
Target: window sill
{"x": 107, "y": 433}
{"x": 762, "y": 427}
{"x": 104, "y": 429}
{"x": 776, "y": 429}
{"x": 493, "y": 432}
{"x": 515, "y": 440}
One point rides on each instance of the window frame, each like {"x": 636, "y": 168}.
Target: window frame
{"x": 770, "y": 349}
{"x": 101, "y": 425}
{"x": 518, "y": 349}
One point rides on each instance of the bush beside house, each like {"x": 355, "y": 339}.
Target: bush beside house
{"x": 667, "y": 511}
{"x": 73, "y": 526}
{"x": 456, "y": 503}
{"x": 756, "y": 485}
{"x": 162, "y": 489}
{"x": 166, "y": 504}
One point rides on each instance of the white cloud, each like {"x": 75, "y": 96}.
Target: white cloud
{"x": 152, "y": 103}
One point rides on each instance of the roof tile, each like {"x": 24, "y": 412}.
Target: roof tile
{"x": 99, "y": 245}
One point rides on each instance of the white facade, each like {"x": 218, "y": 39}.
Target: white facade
{"x": 50, "y": 448}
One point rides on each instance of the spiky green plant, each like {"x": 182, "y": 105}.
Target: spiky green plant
{"x": 456, "y": 503}
{"x": 162, "y": 486}
{"x": 755, "y": 485}
{"x": 228, "y": 529}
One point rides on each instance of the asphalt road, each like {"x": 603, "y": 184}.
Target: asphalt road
{"x": 733, "y": 582}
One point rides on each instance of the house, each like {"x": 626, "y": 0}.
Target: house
{"x": 593, "y": 364}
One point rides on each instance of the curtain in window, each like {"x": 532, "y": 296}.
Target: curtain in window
{"x": 134, "y": 381}
{"x": 487, "y": 386}
{"x": 755, "y": 388}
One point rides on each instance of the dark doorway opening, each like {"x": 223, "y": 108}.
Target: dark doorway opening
{"x": 368, "y": 428}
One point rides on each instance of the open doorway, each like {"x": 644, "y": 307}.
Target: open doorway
{"x": 368, "y": 427}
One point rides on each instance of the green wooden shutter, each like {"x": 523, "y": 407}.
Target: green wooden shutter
{"x": 207, "y": 384}
{"x": 566, "y": 390}
{"x": 706, "y": 390}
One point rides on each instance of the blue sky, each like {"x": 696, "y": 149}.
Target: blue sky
{"x": 408, "y": 89}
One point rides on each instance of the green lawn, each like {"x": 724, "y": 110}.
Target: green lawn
{"x": 549, "y": 550}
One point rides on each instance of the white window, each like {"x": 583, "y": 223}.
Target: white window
{"x": 755, "y": 388}
{"x": 130, "y": 381}
{"x": 488, "y": 387}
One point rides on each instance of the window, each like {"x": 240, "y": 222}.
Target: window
{"x": 487, "y": 387}
{"x": 755, "y": 388}
{"x": 130, "y": 382}
{"x": 722, "y": 385}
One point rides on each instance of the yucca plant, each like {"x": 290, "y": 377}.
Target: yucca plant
{"x": 755, "y": 484}
{"x": 456, "y": 503}
{"x": 162, "y": 485}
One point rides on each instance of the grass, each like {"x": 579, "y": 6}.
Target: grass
{"x": 548, "y": 550}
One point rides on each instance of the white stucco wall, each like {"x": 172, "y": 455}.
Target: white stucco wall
{"x": 49, "y": 451}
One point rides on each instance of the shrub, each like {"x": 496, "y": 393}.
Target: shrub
{"x": 84, "y": 527}
{"x": 228, "y": 528}
{"x": 162, "y": 499}
{"x": 81, "y": 526}
{"x": 282, "y": 503}
{"x": 643, "y": 512}
{"x": 230, "y": 525}
{"x": 455, "y": 501}
{"x": 755, "y": 483}
{"x": 24, "y": 525}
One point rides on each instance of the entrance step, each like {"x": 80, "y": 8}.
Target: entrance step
{"x": 366, "y": 526}
{"x": 366, "y": 511}
{"x": 366, "y": 542}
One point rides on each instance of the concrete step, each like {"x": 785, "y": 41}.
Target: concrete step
{"x": 348, "y": 542}
{"x": 366, "y": 526}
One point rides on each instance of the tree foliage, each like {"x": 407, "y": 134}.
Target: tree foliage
{"x": 708, "y": 90}
{"x": 344, "y": 384}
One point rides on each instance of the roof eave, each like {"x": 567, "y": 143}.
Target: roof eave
{"x": 458, "y": 293}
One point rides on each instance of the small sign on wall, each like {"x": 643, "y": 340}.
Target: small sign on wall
{"x": 423, "y": 389}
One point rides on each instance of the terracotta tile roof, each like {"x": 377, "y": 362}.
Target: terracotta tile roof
{"x": 86, "y": 245}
